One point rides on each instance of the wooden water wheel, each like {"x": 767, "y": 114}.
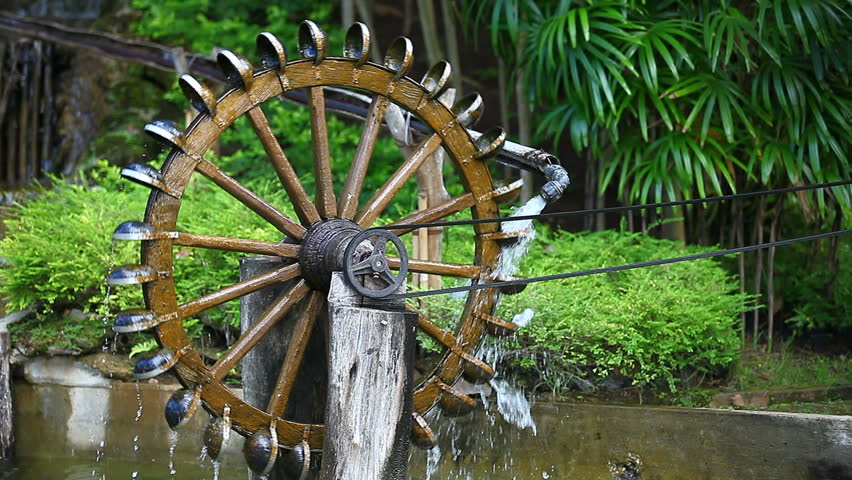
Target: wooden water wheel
{"x": 313, "y": 243}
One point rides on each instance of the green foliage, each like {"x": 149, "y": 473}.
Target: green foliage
{"x": 787, "y": 367}
{"x": 683, "y": 97}
{"x": 59, "y": 249}
{"x": 204, "y": 25}
{"x": 650, "y": 324}
{"x": 821, "y": 297}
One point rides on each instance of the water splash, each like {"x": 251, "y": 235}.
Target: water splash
{"x": 510, "y": 256}
{"x": 524, "y": 318}
{"x": 513, "y": 405}
{"x": 217, "y": 466}
{"x": 173, "y": 439}
{"x": 433, "y": 459}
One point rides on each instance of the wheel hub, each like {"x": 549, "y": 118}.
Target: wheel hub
{"x": 323, "y": 250}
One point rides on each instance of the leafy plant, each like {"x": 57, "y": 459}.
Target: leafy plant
{"x": 682, "y": 97}
{"x": 649, "y": 325}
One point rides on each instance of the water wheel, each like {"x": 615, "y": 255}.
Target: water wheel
{"x": 313, "y": 243}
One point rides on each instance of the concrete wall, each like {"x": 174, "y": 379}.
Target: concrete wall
{"x": 106, "y": 422}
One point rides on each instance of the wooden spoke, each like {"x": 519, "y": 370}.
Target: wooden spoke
{"x": 322, "y": 162}
{"x": 250, "y": 337}
{"x": 438, "y": 268}
{"x": 348, "y": 202}
{"x": 432, "y": 214}
{"x": 295, "y": 352}
{"x": 238, "y": 289}
{"x": 306, "y": 210}
{"x": 287, "y": 250}
{"x": 452, "y": 206}
{"x": 251, "y": 200}
{"x": 444, "y": 337}
{"x": 382, "y": 198}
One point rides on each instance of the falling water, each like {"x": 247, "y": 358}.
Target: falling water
{"x": 138, "y": 403}
{"x": 510, "y": 256}
{"x": 513, "y": 405}
{"x": 433, "y": 459}
{"x": 524, "y": 318}
{"x": 173, "y": 439}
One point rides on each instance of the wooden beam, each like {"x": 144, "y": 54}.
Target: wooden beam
{"x": 369, "y": 406}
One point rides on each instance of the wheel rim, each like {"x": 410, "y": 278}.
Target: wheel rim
{"x": 387, "y": 83}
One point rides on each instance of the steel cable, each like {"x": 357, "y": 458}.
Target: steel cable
{"x": 735, "y": 196}
{"x": 618, "y": 268}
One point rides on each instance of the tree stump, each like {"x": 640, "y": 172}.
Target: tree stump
{"x": 369, "y": 406}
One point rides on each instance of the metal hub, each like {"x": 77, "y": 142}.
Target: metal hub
{"x": 323, "y": 250}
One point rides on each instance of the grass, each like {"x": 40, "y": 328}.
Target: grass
{"x": 789, "y": 367}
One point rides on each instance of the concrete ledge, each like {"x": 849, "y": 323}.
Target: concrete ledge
{"x": 764, "y": 398}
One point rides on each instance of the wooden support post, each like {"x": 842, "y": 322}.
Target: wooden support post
{"x": 261, "y": 365}
{"x": 7, "y": 431}
{"x": 368, "y": 411}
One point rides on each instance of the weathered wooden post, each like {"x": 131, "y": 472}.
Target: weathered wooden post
{"x": 7, "y": 433}
{"x": 368, "y": 412}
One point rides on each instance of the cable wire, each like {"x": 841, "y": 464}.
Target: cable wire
{"x": 618, "y": 268}
{"x": 735, "y": 196}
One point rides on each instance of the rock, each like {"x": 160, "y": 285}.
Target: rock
{"x": 117, "y": 367}
{"x": 755, "y": 399}
{"x": 62, "y": 371}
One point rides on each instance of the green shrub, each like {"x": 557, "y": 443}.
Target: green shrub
{"x": 650, "y": 324}
{"x": 58, "y": 251}
{"x": 804, "y": 280}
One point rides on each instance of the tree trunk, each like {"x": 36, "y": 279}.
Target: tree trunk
{"x": 758, "y": 267}
{"x": 589, "y": 188}
{"x": 347, "y": 13}
{"x": 505, "y": 120}
{"x": 523, "y": 108}
{"x": 7, "y": 430}
{"x": 366, "y": 14}
{"x": 448, "y": 10}
{"x": 738, "y": 219}
{"x": 371, "y": 363}
{"x": 770, "y": 276}
{"x": 430, "y": 31}
{"x": 833, "y": 259}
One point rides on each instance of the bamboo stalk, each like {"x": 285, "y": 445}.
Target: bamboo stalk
{"x": 770, "y": 279}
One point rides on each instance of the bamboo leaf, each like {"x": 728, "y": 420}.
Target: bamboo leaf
{"x": 584, "y": 22}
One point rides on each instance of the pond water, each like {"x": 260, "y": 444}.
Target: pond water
{"x": 117, "y": 432}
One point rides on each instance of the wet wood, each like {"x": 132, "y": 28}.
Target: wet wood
{"x": 306, "y": 210}
{"x": 251, "y": 200}
{"x": 438, "y": 268}
{"x": 257, "y": 247}
{"x": 7, "y": 431}
{"x": 434, "y": 213}
{"x": 263, "y": 364}
{"x": 379, "y": 202}
{"x": 267, "y": 320}
{"x": 298, "y": 344}
{"x": 369, "y": 409}
{"x": 325, "y": 200}
{"x": 358, "y": 171}
{"x": 448, "y": 340}
{"x": 163, "y": 210}
{"x": 243, "y": 287}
